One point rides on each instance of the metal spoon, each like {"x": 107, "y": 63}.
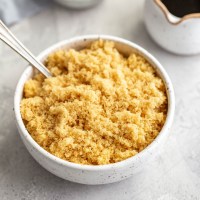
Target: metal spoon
{"x": 15, "y": 44}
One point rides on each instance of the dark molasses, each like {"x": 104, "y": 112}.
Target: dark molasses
{"x": 180, "y": 8}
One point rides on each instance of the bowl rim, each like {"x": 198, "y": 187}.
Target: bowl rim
{"x": 134, "y": 159}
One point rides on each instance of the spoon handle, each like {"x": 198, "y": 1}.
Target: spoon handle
{"x": 15, "y": 44}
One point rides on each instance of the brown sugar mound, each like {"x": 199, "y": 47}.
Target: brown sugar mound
{"x": 99, "y": 108}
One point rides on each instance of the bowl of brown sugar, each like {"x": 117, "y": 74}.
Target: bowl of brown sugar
{"x": 103, "y": 114}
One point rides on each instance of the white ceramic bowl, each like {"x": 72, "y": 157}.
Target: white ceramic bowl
{"x": 101, "y": 174}
{"x": 78, "y": 4}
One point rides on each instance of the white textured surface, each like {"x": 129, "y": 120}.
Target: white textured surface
{"x": 174, "y": 175}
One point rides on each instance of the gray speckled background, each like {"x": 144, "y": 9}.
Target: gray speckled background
{"x": 174, "y": 175}
{"x": 13, "y": 11}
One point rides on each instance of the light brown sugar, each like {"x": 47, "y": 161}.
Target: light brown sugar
{"x": 99, "y": 108}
